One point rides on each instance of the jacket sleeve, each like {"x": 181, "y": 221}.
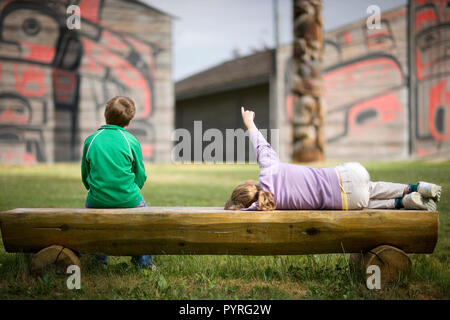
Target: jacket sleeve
{"x": 138, "y": 165}
{"x": 267, "y": 157}
{"x": 85, "y": 168}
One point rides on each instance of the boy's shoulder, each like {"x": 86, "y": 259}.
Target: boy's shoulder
{"x": 92, "y": 136}
{"x": 131, "y": 137}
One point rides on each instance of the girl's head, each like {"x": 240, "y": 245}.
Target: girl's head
{"x": 245, "y": 194}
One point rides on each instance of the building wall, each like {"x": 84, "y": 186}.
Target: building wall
{"x": 54, "y": 82}
{"x": 368, "y": 111}
{"x": 365, "y": 90}
{"x": 223, "y": 111}
{"x": 430, "y": 81}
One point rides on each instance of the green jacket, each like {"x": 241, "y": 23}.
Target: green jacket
{"x": 112, "y": 169}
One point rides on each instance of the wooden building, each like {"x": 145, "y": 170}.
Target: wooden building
{"x": 56, "y": 76}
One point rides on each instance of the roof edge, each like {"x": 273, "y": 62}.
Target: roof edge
{"x": 222, "y": 63}
{"x": 148, "y": 6}
{"x": 223, "y": 88}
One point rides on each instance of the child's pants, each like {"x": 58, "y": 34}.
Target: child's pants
{"x": 363, "y": 193}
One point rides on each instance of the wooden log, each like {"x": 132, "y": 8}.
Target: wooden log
{"x": 183, "y": 230}
{"x": 54, "y": 255}
{"x": 393, "y": 263}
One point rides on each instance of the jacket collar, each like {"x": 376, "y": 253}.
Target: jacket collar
{"x": 110, "y": 126}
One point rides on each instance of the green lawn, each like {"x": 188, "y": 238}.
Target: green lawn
{"x": 211, "y": 277}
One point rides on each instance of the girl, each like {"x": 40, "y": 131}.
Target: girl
{"x": 347, "y": 186}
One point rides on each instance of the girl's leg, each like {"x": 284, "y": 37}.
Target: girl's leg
{"x": 387, "y": 190}
{"x": 388, "y": 195}
{"x": 381, "y": 204}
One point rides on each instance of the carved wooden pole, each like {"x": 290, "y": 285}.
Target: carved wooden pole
{"x": 306, "y": 83}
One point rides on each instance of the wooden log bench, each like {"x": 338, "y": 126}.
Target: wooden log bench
{"x": 382, "y": 237}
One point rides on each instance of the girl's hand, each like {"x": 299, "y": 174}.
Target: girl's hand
{"x": 247, "y": 117}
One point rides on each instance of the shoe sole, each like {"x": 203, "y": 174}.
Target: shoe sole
{"x": 419, "y": 201}
{"x": 416, "y": 197}
{"x": 434, "y": 190}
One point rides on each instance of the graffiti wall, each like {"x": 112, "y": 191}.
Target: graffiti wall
{"x": 430, "y": 86}
{"x": 372, "y": 112}
{"x": 54, "y": 82}
{"x": 365, "y": 90}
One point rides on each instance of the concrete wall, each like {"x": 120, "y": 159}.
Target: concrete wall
{"x": 54, "y": 82}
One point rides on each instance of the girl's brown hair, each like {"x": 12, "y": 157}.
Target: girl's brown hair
{"x": 245, "y": 194}
{"x": 119, "y": 111}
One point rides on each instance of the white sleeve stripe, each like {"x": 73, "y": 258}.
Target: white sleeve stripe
{"x": 90, "y": 144}
{"x": 129, "y": 147}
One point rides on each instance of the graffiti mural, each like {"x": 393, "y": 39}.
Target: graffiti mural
{"x": 372, "y": 110}
{"x": 365, "y": 89}
{"x": 430, "y": 98}
{"x": 54, "y": 82}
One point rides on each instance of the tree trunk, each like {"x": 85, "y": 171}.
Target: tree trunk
{"x": 306, "y": 83}
{"x": 203, "y": 230}
{"x": 54, "y": 255}
{"x": 392, "y": 262}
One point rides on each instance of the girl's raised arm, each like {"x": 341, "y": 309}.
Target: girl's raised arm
{"x": 267, "y": 157}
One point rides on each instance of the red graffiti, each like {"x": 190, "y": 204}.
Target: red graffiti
{"x": 90, "y": 10}
{"x": 31, "y": 81}
{"x": 10, "y": 116}
{"x": 439, "y": 97}
{"x": 38, "y": 52}
{"x": 361, "y": 67}
{"x": 423, "y": 152}
{"x": 347, "y": 37}
{"x": 17, "y": 157}
{"x": 386, "y": 108}
{"x": 383, "y": 71}
{"x": 124, "y": 71}
{"x": 425, "y": 16}
{"x": 64, "y": 85}
{"x": 147, "y": 150}
{"x": 107, "y": 62}
{"x": 144, "y": 50}
{"x": 113, "y": 42}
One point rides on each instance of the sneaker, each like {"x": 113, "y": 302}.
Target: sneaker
{"x": 429, "y": 190}
{"x": 142, "y": 262}
{"x": 415, "y": 201}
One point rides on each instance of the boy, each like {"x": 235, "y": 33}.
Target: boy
{"x": 111, "y": 167}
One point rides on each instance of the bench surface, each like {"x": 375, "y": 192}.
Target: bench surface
{"x": 210, "y": 230}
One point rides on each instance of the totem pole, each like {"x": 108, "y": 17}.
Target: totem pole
{"x": 308, "y": 110}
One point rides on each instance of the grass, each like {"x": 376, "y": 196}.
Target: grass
{"x": 211, "y": 277}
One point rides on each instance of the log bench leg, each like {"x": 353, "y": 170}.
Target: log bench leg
{"x": 393, "y": 263}
{"x": 57, "y": 255}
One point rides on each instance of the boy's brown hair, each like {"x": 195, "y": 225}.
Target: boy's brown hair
{"x": 119, "y": 111}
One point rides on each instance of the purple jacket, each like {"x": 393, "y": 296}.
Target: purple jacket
{"x": 295, "y": 186}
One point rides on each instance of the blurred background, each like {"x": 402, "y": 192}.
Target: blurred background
{"x": 384, "y": 92}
